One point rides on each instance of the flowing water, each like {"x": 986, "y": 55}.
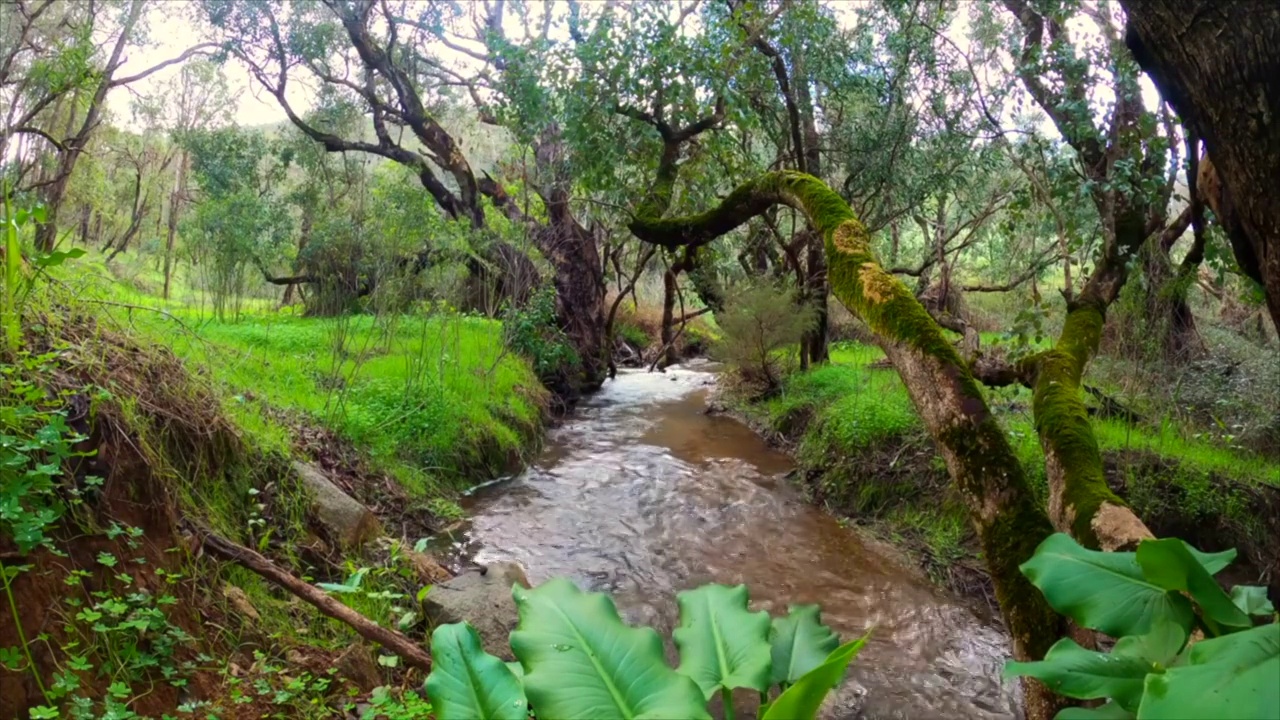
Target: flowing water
{"x": 641, "y": 494}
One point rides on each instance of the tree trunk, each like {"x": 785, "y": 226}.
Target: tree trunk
{"x": 670, "y": 355}
{"x": 988, "y": 476}
{"x": 580, "y": 289}
{"x": 175, "y": 210}
{"x": 304, "y": 237}
{"x": 816, "y": 288}
{"x": 85, "y": 213}
{"x": 138, "y": 211}
{"x": 1217, "y": 62}
{"x": 1080, "y": 502}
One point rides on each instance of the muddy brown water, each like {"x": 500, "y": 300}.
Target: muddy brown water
{"x": 641, "y": 494}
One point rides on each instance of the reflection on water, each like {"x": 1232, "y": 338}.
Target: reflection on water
{"x": 641, "y": 494}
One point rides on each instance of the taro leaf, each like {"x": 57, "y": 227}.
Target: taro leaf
{"x": 1102, "y": 590}
{"x": 1252, "y": 599}
{"x": 1110, "y": 711}
{"x": 581, "y": 661}
{"x": 722, "y": 644}
{"x": 1075, "y": 672}
{"x": 1213, "y": 562}
{"x": 802, "y": 700}
{"x": 1159, "y": 647}
{"x": 1234, "y": 676}
{"x": 800, "y": 643}
{"x": 1170, "y": 564}
{"x": 469, "y": 684}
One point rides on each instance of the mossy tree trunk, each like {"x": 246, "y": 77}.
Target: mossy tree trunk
{"x": 1004, "y": 511}
{"x": 1119, "y": 161}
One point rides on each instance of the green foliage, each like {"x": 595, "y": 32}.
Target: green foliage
{"x": 533, "y": 330}
{"x": 1145, "y": 599}
{"x": 35, "y": 446}
{"x": 722, "y": 645}
{"x": 800, "y": 643}
{"x": 805, "y": 696}
{"x": 581, "y": 661}
{"x": 577, "y": 659}
{"x": 384, "y": 705}
{"x": 238, "y": 223}
{"x": 18, "y": 283}
{"x": 759, "y": 325}
{"x": 470, "y": 684}
{"x": 282, "y": 692}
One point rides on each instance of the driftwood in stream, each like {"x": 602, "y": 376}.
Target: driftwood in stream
{"x": 412, "y": 653}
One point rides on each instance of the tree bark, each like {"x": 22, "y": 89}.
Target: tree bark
{"x": 1009, "y": 521}
{"x": 1217, "y": 62}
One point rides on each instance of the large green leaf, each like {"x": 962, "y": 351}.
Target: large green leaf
{"x": 1102, "y": 590}
{"x": 1159, "y": 647}
{"x": 469, "y": 684}
{"x": 1233, "y": 677}
{"x": 1252, "y": 600}
{"x": 802, "y": 700}
{"x": 800, "y": 643}
{"x": 1110, "y": 711}
{"x": 1213, "y": 562}
{"x": 1075, "y": 672}
{"x": 581, "y": 661}
{"x": 1169, "y": 564}
{"x": 722, "y": 644}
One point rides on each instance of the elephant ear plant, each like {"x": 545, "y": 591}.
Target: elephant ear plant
{"x": 577, "y": 659}
{"x": 1152, "y": 601}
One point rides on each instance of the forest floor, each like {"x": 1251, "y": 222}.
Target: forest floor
{"x": 864, "y": 455}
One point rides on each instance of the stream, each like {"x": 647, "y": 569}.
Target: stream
{"x": 642, "y": 494}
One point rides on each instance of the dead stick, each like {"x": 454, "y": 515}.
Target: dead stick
{"x": 412, "y": 653}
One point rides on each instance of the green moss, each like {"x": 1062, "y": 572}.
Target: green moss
{"x": 1062, "y": 421}
{"x": 1009, "y": 541}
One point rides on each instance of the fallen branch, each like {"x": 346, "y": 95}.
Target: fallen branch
{"x": 412, "y": 653}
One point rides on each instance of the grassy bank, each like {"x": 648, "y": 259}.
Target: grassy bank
{"x": 150, "y": 423}
{"x": 866, "y": 457}
{"x": 433, "y": 399}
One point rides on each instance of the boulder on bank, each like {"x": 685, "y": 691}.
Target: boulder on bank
{"x": 347, "y": 521}
{"x": 482, "y": 597}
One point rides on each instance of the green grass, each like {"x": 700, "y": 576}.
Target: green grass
{"x": 433, "y": 399}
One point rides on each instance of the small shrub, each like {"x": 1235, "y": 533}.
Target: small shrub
{"x": 758, "y": 326}
{"x": 533, "y": 330}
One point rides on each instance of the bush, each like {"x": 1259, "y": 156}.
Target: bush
{"x": 533, "y": 330}
{"x": 758, "y": 326}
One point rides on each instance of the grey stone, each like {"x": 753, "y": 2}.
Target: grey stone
{"x": 481, "y": 597}
{"x": 342, "y": 516}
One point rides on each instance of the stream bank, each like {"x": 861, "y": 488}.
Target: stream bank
{"x": 862, "y": 455}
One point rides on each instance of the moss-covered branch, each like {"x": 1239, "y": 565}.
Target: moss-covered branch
{"x": 1080, "y": 502}
{"x": 1009, "y": 521}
